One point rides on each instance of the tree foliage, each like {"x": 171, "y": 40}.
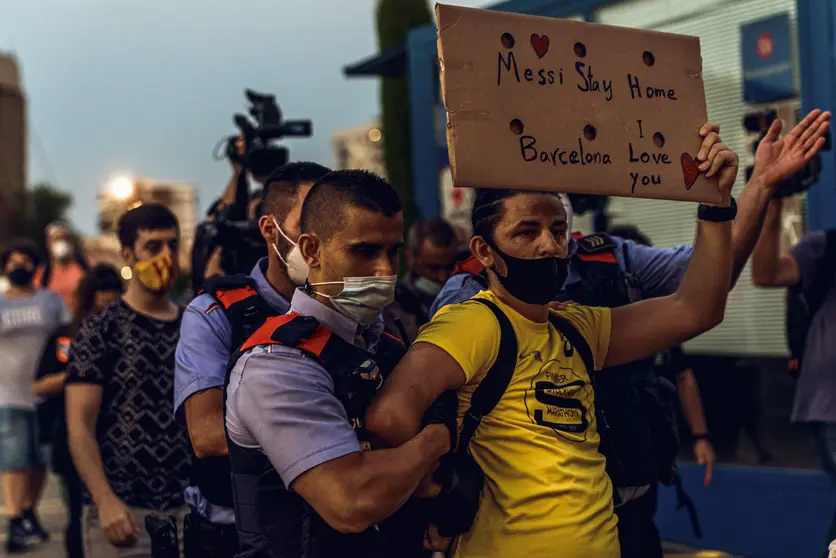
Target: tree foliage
{"x": 27, "y": 214}
{"x": 395, "y": 18}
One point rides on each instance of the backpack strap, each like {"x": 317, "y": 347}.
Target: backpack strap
{"x": 492, "y": 387}
{"x": 230, "y": 289}
{"x": 575, "y": 338}
{"x": 823, "y": 279}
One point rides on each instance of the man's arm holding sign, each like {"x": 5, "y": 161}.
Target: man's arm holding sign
{"x": 651, "y": 325}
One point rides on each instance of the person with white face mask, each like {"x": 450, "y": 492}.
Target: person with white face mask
{"x": 65, "y": 268}
{"x": 299, "y": 390}
{"x": 214, "y": 326}
{"x": 432, "y": 247}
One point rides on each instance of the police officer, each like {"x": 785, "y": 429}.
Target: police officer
{"x": 214, "y": 326}
{"x": 307, "y": 482}
{"x": 608, "y": 271}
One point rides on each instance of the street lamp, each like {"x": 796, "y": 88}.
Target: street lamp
{"x": 121, "y": 187}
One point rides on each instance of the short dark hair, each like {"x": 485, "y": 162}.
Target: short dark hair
{"x": 630, "y": 232}
{"x": 339, "y": 189}
{"x": 488, "y": 207}
{"x": 438, "y": 231}
{"x": 146, "y": 217}
{"x": 25, "y": 247}
{"x": 283, "y": 185}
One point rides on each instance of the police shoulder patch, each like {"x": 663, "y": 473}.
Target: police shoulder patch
{"x": 596, "y": 243}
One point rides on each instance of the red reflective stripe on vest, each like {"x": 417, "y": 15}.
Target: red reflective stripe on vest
{"x": 471, "y": 265}
{"x": 314, "y": 344}
{"x": 387, "y": 334}
{"x": 230, "y": 297}
{"x": 605, "y": 257}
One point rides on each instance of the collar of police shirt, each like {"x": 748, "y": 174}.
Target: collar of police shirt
{"x": 342, "y": 326}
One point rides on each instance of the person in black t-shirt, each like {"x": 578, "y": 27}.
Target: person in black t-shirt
{"x": 101, "y": 286}
{"x": 129, "y": 450}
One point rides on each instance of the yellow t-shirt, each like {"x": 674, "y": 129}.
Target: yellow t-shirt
{"x": 546, "y": 492}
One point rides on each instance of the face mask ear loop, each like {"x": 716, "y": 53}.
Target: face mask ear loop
{"x": 281, "y": 232}
{"x": 279, "y": 254}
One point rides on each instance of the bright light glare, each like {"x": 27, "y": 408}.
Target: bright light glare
{"x": 121, "y": 187}
{"x": 375, "y": 135}
{"x": 127, "y": 273}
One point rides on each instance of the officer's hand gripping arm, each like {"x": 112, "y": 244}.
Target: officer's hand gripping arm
{"x": 355, "y": 491}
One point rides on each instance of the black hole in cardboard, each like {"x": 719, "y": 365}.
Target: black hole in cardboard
{"x": 658, "y": 140}
{"x": 589, "y": 132}
{"x": 517, "y": 127}
{"x": 648, "y": 58}
{"x": 507, "y": 40}
{"x": 580, "y": 49}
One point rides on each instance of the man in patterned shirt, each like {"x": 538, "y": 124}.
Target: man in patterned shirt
{"x": 131, "y": 453}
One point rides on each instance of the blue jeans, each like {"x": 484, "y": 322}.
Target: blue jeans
{"x": 19, "y": 448}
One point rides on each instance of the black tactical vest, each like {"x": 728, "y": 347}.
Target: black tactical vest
{"x": 246, "y": 311}
{"x": 277, "y": 523}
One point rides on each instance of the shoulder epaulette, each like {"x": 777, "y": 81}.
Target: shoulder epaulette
{"x": 596, "y": 243}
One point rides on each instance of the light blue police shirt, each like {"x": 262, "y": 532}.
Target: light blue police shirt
{"x": 201, "y": 361}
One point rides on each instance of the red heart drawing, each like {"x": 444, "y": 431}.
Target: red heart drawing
{"x": 540, "y": 43}
{"x": 689, "y": 170}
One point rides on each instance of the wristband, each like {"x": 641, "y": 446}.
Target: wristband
{"x": 716, "y": 214}
{"x": 705, "y": 436}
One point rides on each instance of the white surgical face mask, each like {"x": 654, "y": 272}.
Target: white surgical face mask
{"x": 362, "y": 298}
{"x": 61, "y": 249}
{"x": 297, "y": 269}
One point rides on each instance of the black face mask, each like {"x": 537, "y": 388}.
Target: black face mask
{"x": 20, "y": 277}
{"x": 534, "y": 281}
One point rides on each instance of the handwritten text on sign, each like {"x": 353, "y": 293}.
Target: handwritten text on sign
{"x": 546, "y": 104}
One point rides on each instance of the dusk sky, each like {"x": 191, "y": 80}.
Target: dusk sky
{"x": 148, "y": 87}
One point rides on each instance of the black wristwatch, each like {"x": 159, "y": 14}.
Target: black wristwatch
{"x": 717, "y": 214}
{"x": 697, "y": 437}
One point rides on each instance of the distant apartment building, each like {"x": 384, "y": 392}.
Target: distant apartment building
{"x": 121, "y": 194}
{"x": 359, "y": 148}
{"x": 12, "y": 138}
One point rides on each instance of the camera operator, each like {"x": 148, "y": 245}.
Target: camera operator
{"x": 215, "y": 324}
{"x": 260, "y": 172}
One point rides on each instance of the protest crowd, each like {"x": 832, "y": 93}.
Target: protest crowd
{"x": 366, "y": 390}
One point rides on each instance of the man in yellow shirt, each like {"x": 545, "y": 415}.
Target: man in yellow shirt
{"x": 546, "y": 493}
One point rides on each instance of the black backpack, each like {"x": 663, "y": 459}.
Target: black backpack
{"x": 803, "y": 306}
{"x": 491, "y": 389}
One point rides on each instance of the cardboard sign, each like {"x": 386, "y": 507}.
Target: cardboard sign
{"x": 536, "y": 103}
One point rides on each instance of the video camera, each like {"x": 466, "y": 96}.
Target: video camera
{"x": 230, "y": 227}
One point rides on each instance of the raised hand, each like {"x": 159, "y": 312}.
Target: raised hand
{"x": 716, "y": 159}
{"x": 778, "y": 159}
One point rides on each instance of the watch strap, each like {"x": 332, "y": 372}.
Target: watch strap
{"x": 716, "y": 214}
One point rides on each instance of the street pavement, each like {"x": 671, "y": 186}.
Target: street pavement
{"x": 53, "y": 516}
